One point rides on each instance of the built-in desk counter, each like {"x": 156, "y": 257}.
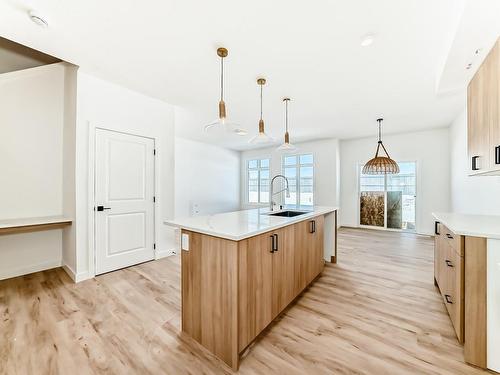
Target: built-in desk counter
{"x": 33, "y": 224}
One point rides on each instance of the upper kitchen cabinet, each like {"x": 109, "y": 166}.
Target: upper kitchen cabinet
{"x": 483, "y": 122}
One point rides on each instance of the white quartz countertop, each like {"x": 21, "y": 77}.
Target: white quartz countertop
{"x": 239, "y": 225}
{"x": 487, "y": 226}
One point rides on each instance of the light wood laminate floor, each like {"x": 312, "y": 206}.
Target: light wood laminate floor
{"x": 376, "y": 312}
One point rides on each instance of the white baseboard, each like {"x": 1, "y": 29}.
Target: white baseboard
{"x": 76, "y": 277}
{"x": 25, "y": 270}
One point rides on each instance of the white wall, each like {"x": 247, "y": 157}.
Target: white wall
{"x": 31, "y": 161}
{"x": 326, "y": 169}
{"x": 430, "y": 149}
{"x": 474, "y": 195}
{"x": 207, "y": 178}
{"x": 106, "y": 105}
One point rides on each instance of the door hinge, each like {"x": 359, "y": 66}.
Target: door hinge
{"x": 154, "y": 246}
{"x": 154, "y": 199}
{"x": 154, "y": 151}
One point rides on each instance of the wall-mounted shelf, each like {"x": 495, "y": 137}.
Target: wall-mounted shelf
{"x": 33, "y": 224}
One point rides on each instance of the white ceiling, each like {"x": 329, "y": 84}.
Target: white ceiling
{"x": 309, "y": 51}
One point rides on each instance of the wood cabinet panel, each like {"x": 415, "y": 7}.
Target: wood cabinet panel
{"x": 449, "y": 274}
{"x": 477, "y": 127}
{"x": 493, "y": 105}
{"x": 475, "y": 301}
{"x": 453, "y": 292}
{"x": 301, "y": 261}
{"x": 210, "y": 314}
{"x": 483, "y": 115}
{"x": 255, "y": 287}
{"x": 283, "y": 270}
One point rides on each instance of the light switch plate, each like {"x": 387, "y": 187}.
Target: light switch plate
{"x": 185, "y": 242}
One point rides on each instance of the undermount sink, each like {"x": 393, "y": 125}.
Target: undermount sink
{"x": 287, "y": 213}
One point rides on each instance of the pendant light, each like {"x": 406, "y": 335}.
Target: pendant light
{"x": 262, "y": 137}
{"x": 286, "y": 147}
{"x": 222, "y": 122}
{"x": 381, "y": 164}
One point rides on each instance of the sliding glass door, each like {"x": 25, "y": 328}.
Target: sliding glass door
{"x": 389, "y": 201}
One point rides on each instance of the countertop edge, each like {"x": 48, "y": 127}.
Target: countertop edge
{"x": 295, "y": 220}
{"x": 442, "y": 217}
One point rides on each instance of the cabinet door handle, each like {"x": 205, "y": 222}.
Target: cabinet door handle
{"x": 447, "y": 297}
{"x": 272, "y": 243}
{"x": 474, "y": 163}
{"x": 449, "y": 236}
{"x": 276, "y": 242}
{"x": 312, "y": 228}
{"x": 436, "y": 228}
{"x": 497, "y": 155}
{"x": 448, "y": 263}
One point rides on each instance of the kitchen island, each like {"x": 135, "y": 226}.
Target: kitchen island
{"x": 241, "y": 269}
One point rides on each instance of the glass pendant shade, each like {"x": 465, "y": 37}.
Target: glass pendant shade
{"x": 222, "y": 123}
{"x": 381, "y": 164}
{"x": 261, "y": 138}
{"x": 286, "y": 147}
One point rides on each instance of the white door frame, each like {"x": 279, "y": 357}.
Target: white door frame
{"x": 91, "y": 191}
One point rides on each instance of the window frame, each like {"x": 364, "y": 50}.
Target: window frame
{"x": 247, "y": 180}
{"x": 297, "y": 169}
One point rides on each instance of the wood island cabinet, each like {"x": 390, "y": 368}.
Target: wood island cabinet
{"x": 232, "y": 290}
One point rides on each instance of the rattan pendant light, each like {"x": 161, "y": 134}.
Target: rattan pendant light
{"x": 381, "y": 164}
{"x": 222, "y": 123}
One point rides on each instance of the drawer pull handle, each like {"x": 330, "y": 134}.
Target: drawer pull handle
{"x": 273, "y": 243}
{"x": 276, "y": 242}
{"x": 449, "y": 236}
{"x": 497, "y": 155}
{"x": 474, "y": 163}
{"x": 312, "y": 226}
{"x": 447, "y": 297}
{"x": 436, "y": 228}
{"x": 448, "y": 263}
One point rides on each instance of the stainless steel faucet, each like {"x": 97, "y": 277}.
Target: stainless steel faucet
{"x": 271, "y": 193}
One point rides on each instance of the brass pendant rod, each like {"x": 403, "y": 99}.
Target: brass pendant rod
{"x": 261, "y": 101}
{"x": 222, "y": 78}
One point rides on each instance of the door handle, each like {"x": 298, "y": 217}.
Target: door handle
{"x": 448, "y": 263}
{"x": 272, "y": 243}
{"x": 313, "y": 226}
{"x": 102, "y": 208}
{"x": 474, "y": 163}
{"x": 497, "y": 155}
{"x": 447, "y": 297}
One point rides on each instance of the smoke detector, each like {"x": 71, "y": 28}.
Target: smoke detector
{"x": 38, "y": 19}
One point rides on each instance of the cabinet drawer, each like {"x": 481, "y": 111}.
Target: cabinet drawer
{"x": 455, "y": 241}
{"x": 453, "y": 289}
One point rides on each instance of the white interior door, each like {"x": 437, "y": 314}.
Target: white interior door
{"x": 124, "y": 200}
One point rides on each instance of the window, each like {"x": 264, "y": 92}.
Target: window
{"x": 258, "y": 180}
{"x": 389, "y": 201}
{"x": 299, "y": 169}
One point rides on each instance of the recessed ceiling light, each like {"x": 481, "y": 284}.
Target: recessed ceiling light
{"x": 367, "y": 40}
{"x": 38, "y": 18}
